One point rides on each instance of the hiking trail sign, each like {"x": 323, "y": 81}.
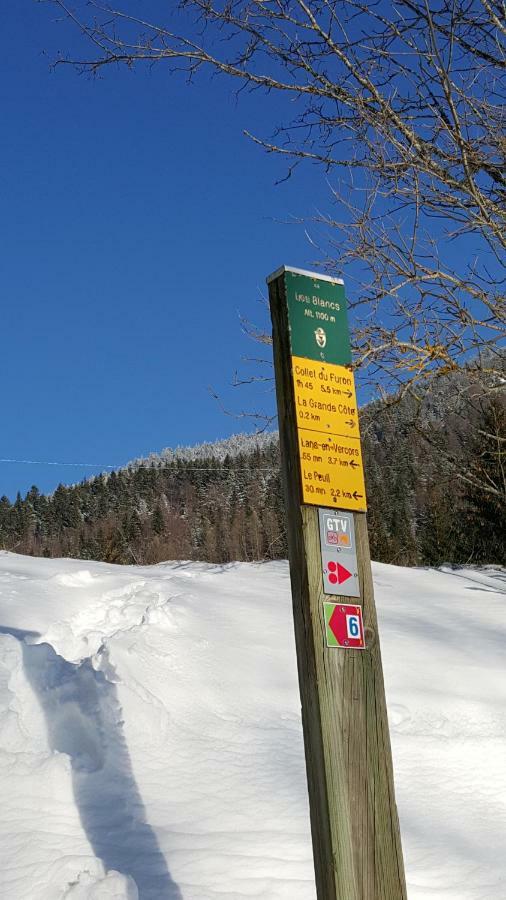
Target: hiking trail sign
{"x": 330, "y": 456}
{"x": 318, "y": 317}
{"x": 338, "y": 553}
{"x": 344, "y": 626}
{"x": 329, "y": 438}
{"x": 354, "y": 825}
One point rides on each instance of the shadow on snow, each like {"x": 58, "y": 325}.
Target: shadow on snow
{"x": 83, "y": 717}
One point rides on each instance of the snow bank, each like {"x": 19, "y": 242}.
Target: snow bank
{"x": 150, "y": 737}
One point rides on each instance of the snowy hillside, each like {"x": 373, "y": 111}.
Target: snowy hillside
{"x": 150, "y": 738}
{"x": 220, "y": 449}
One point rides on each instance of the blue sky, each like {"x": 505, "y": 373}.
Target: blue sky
{"x": 138, "y": 223}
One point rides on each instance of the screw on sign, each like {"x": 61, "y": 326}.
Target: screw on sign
{"x": 344, "y": 626}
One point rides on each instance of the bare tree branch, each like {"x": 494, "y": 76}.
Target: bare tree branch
{"x": 402, "y": 107}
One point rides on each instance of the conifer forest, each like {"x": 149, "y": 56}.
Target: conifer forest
{"x": 436, "y": 491}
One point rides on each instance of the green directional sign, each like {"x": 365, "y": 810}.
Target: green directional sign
{"x": 317, "y": 317}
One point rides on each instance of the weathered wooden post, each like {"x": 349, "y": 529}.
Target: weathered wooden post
{"x": 354, "y": 823}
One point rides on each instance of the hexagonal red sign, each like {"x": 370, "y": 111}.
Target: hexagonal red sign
{"x": 344, "y": 626}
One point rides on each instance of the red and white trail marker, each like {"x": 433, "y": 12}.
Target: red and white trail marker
{"x": 344, "y": 626}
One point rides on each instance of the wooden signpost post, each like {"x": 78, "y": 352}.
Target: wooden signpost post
{"x": 354, "y": 824}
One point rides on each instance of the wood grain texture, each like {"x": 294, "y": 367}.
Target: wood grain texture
{"x": 354, "y": 822}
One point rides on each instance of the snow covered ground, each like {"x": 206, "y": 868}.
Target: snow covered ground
{"x": 150, "y": 737}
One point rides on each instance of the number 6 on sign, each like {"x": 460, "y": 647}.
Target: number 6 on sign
{"x": 353, "y": 626}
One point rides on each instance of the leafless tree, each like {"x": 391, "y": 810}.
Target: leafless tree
{"x": 401, "y": 105}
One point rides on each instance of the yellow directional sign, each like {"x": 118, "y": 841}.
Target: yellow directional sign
{"x": 325, "y": 397}
{"x": 331, "y": 470}
{"x": 330, "y": 455}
